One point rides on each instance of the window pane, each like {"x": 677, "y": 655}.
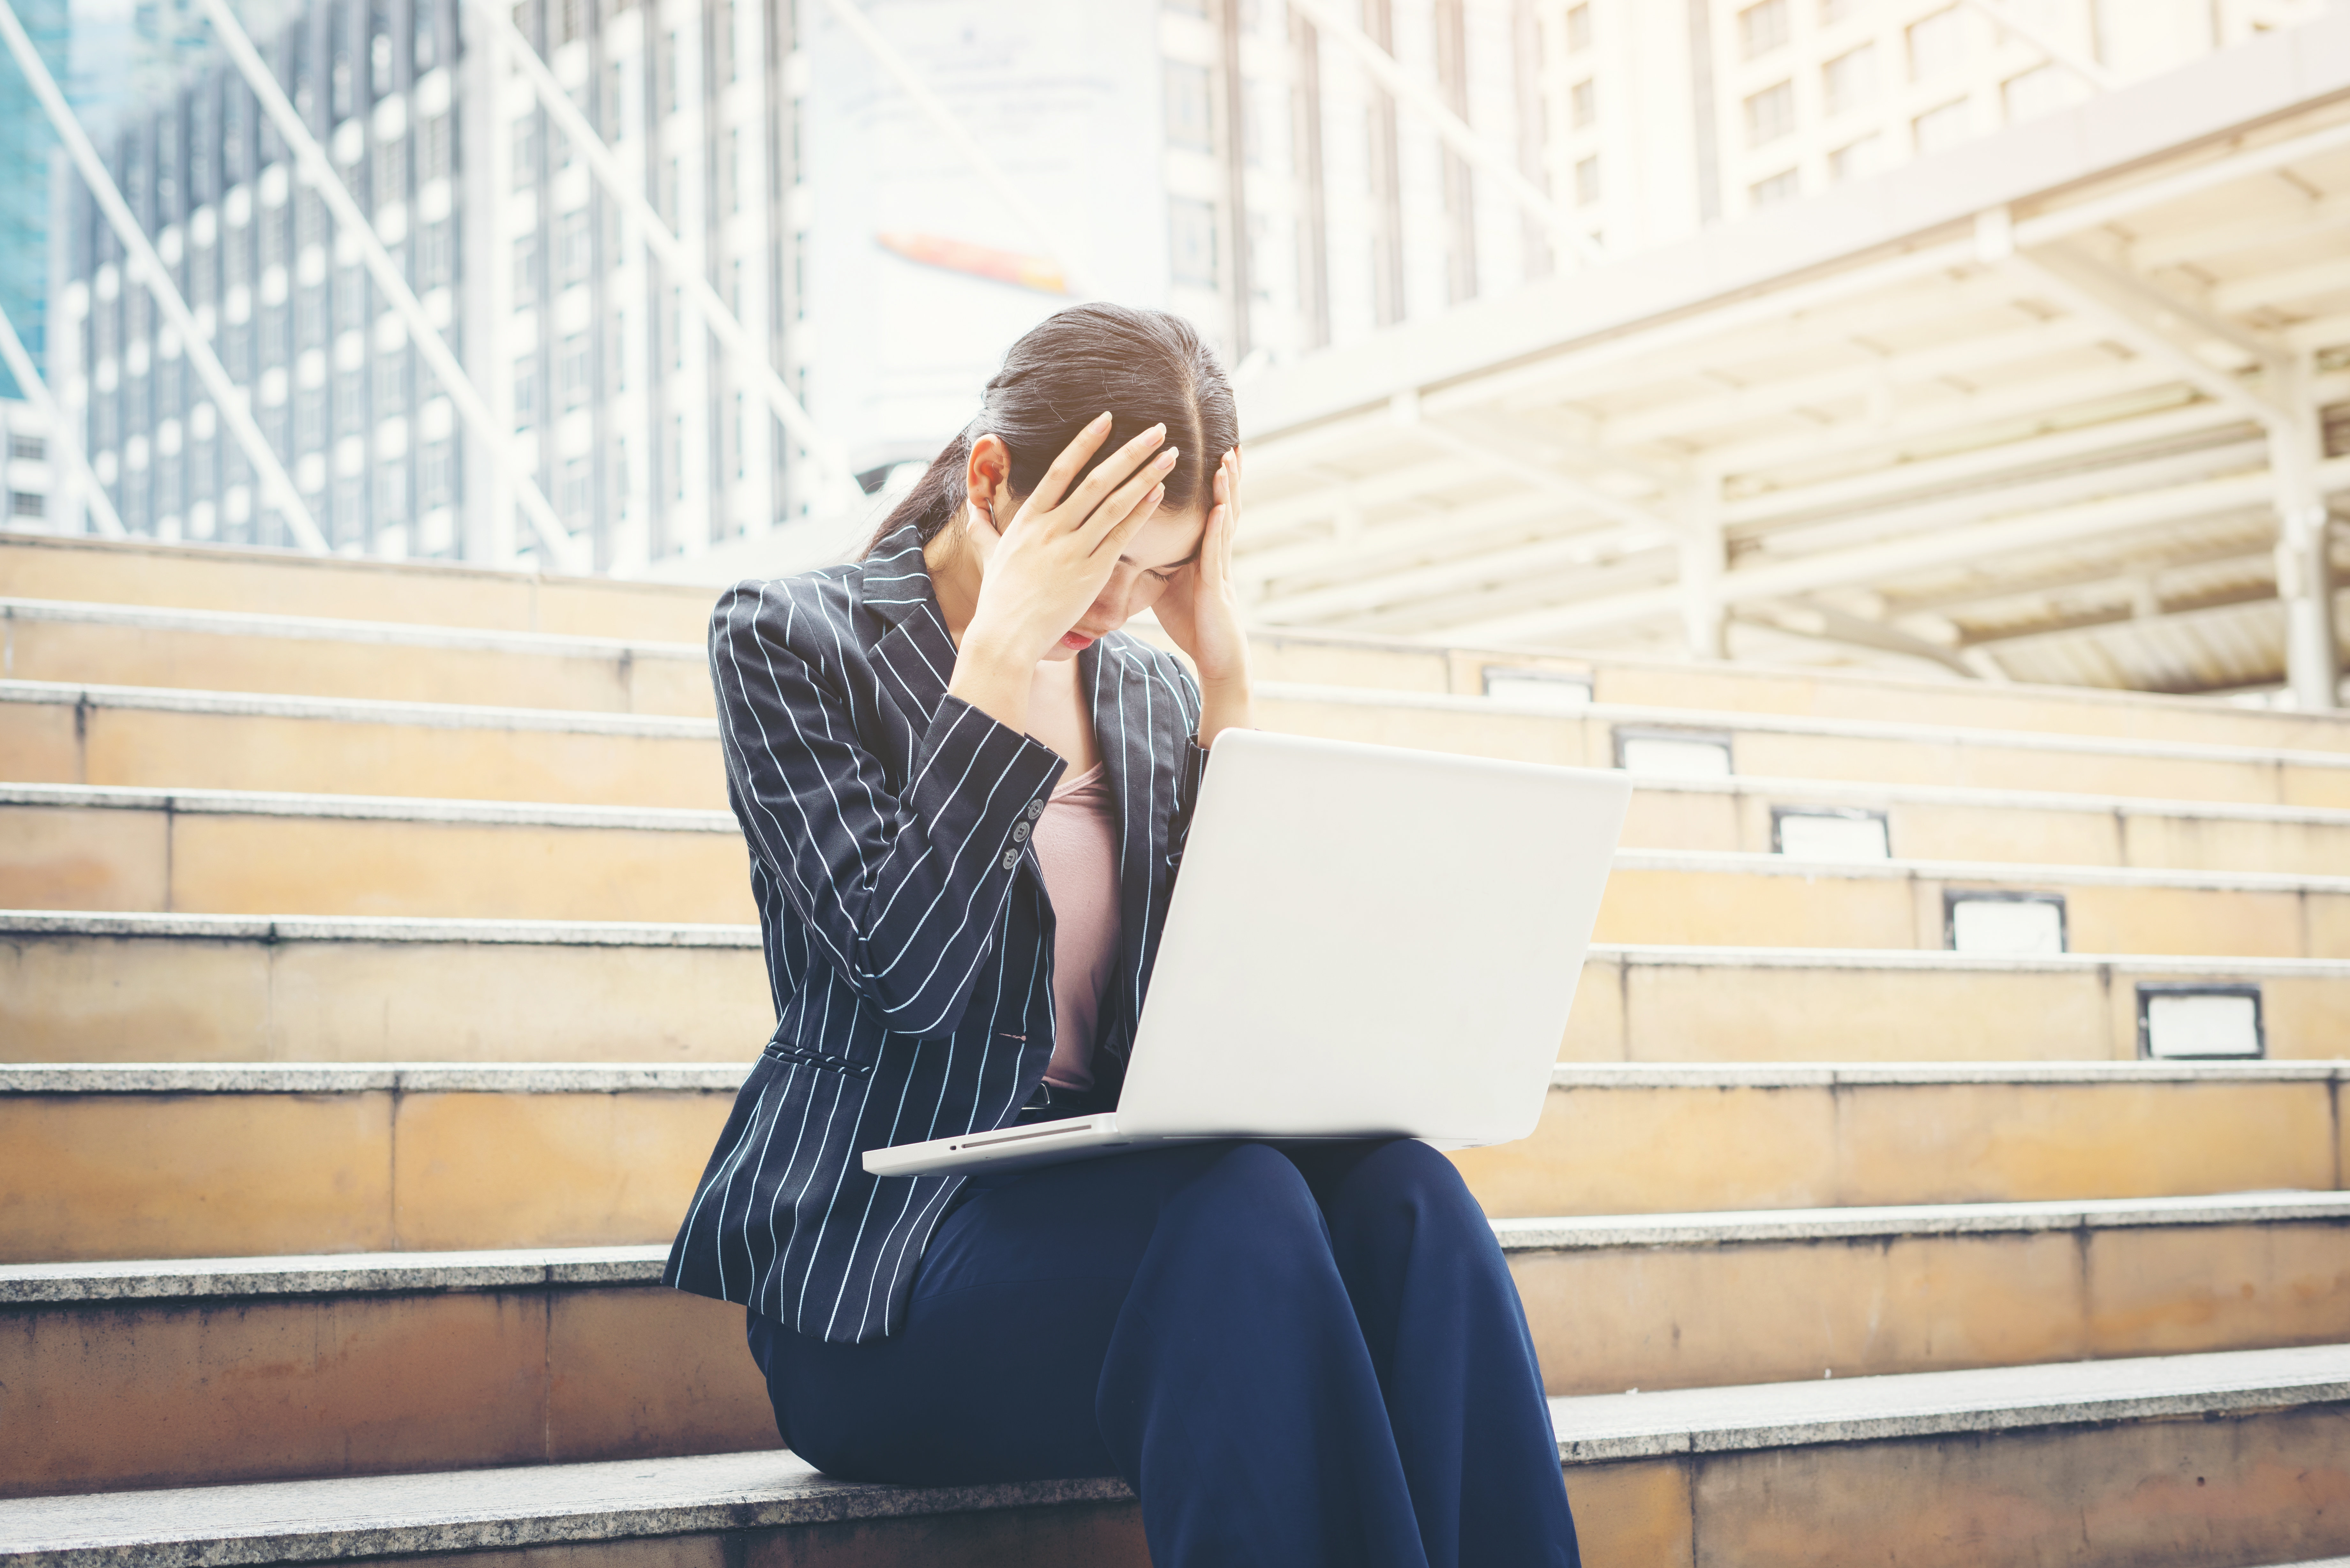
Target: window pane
{"x": 1936, "y": 44}
{"x": 1762, "y": 28}
{"x": 1191, "y": 234}
{"x": 1850, "y": 79}
{"x": 1771, "y": 114}
{"x": 1779, "y": 187}
{"x": 1190, "y": 121}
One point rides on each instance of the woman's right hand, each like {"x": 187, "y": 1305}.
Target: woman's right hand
{"x": 1043, "y": 571}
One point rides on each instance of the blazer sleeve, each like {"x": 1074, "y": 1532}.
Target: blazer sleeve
{"x": 903, "y": 890}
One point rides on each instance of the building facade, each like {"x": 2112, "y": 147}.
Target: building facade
{"x": 1262, "y": 183}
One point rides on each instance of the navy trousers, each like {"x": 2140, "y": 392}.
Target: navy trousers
{"x": 1310, "y": 1356}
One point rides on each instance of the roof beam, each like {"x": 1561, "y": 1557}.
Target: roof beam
{"x": 1549, "y": 481}
{"x": 1826, "y": 623}
{"x": 1876, "y": 563}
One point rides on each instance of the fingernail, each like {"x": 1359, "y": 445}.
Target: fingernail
{"x": 1167, "y": 459}
{"x": 1100, "y": 420}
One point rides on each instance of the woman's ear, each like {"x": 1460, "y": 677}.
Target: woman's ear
{"x": 987, "y": 478}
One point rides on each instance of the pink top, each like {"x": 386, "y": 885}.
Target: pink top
{"x": 1077, "y": 848}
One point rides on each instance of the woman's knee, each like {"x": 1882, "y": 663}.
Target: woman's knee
{"x": 1247, "y": 1197}
{"x": 1408, "y": 1172}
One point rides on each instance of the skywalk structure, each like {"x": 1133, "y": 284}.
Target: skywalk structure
{"x": 2068, "y": 403}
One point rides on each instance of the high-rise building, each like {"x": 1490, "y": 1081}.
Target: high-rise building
{"x": 25, "y": 143}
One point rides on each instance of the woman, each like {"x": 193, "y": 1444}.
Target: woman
{"x": 965, "y": 791}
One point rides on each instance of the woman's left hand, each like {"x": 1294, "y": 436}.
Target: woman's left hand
{"x": 1200, "y": 608}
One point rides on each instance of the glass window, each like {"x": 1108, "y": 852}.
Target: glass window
{"x": 1578, "y": 27}
{"x": 1771, "y": 114}
{"x": 1944, "y": 127}
{"x": 436, "y": 254}
{"x": 1857, "y": 159}
{"x": 24, "y": 503}
{"x": 310, "y": 419}
{"x": 576, "y": 370}
{"x": 1781, "y": 187}
{"x": 1835, "y": 11}
{"x": 438, "y": 473}
{"x": 1587, "y": 182}
{"x": 1191, "y": 241}
{"x": 1762, "y": 28}
{"x": 1936, "y": 44}
{"x": 526, "y": 152}
{"x": 351, "y": 402}
{"x": 1850, "y": 79}
{"x": 28, "y": 448}
{"x": 1190, "y": 119}
{"x": 1582, "y": 103}
{"x": 575, "y": 245}
{"x": 575, "y": 492}
{"x": 526, "y": 391}
{"x": 391, "y": 383}
{"x": 526, "y": 270}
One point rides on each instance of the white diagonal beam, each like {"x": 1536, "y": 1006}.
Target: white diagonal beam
{"x": 750, "y": 361}
{"x": 2080, "y": 65}
{"x": 37, "y": 392}
{"x": 147, "y": 268}
{"x": 319, "y": 172}
{"x": 1403, "y": 409}
{"x": 1454, "y": 131}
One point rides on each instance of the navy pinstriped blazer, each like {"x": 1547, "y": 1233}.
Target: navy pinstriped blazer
{"x": 906, "y": 930}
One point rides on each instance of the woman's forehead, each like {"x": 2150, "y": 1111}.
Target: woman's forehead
{"x": 1169, "y": 539}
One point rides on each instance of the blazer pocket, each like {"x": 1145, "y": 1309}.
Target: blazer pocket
{"x": 803, "y": 1057}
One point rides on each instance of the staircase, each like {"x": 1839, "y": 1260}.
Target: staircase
{"x": 373, "y": 983}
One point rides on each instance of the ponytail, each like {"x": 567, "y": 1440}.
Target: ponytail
{"x": 936, "y": 497}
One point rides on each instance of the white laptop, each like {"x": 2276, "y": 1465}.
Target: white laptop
{"x": 1365, "y": 942}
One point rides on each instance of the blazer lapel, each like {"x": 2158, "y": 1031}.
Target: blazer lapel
{"x": 1138, "y": 729}
{"x": 915, "y": 659}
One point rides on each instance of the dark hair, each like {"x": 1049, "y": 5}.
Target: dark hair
{"x": 1145, "y": 366}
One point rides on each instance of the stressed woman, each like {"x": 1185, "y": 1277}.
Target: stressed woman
{"x": 965, "y": 791}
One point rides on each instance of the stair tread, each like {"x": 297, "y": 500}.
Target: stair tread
{"x": 657, "y": 933}
{"x": 296, "y": 802}
{"x": 449, "y": 715}
{"x": 406, "y": 634}
{"x": 667, "y": 1077}
{"x": 681, "y": 819}
{"x": 283, "y": 1522}
{"x": 24, "y": 1284}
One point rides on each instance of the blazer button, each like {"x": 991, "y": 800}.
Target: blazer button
{"x": 1019, "y": 833}
{"x": 1035, "y": 809}
{"x": 1011, "y": 859}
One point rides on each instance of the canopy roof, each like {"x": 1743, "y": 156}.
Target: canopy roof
{"x": 2026, "y": 410}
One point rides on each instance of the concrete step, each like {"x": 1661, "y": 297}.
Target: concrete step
{"x": 246, "y": 581}
{"x": 70, "y": 847}
{"x": 154, "y": 1160}
{"x": 1568, "y": 680}
{"x": 1803, "y": 747}
{"x": 205, "y": 1370}
{"x": 2174, "y": 1461}
{"x": 85, "y": 987}
{"x": 252, "y": 852}
{"x": 156, "y": 737}
{"x": 189, "y": 649}
{"x": 1941, "y": 821}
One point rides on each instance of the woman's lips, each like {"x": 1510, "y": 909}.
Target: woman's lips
{"x": 1076, "y": 639}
